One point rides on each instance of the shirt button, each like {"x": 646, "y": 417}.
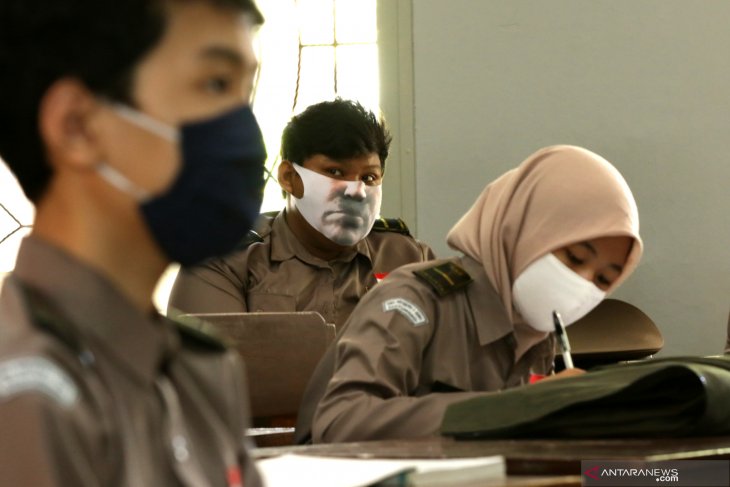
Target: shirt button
{"x": 180, "y": 448}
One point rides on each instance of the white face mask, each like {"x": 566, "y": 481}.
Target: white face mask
{"x": 548, "y": 285}
{"x": 342, "y": 211}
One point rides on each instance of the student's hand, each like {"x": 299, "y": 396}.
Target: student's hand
{"x": 565, "y": 373}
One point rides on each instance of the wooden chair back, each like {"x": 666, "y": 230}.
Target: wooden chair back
{"x": 614, "y": 331}
{"x": 280, "y": 351}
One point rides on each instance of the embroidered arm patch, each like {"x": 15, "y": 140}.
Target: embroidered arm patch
{"x": 36, "y": 374}
{"x": 412, "y": 312}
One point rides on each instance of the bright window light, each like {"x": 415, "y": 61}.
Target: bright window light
{"x": 16, "y": 215}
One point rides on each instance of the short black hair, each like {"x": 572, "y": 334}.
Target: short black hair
{"x": 98, "y": 42}
{"x": 339, "y": 129}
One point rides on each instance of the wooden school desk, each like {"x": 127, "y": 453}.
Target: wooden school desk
{"x": 529, "y": 462}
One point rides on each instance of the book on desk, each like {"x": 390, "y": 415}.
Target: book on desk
{"x": 295, "y": 469}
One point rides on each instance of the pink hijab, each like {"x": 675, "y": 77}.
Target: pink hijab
{"x": 558, "y": 196}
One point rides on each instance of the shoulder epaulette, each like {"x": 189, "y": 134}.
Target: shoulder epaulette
{"x": 45, "y": 315}
{"x": 250, "y": 238}
{"x": 445, "y": 278}
{"x": 391, "y": 225}
{"x": 198, "y": 333}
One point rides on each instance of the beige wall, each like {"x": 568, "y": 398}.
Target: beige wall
{"x": 645, "y": 83}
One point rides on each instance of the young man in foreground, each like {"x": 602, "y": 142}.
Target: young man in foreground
{"x": 127, "y": 124}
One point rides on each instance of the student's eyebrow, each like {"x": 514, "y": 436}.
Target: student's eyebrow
{"x": 227, "y": 55}
{"x": 617, "y": 267}
{"x": 590, "y": 248}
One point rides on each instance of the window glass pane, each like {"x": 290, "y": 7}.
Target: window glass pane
{"x": 316, "y": 18}
{"x": 13, "y": 198}
{"x": 7, "y": 223}
{"x": 317, "y": 76}
{"x": 281, "y": 69}
{"x": 273, "y": 197}
{"x": 16, "y": 212}
{"x": 9, "y": 249}
{"x": 358, "y": 74}
{"x": 356, "y": 21}
{"x": 277, "y": 45}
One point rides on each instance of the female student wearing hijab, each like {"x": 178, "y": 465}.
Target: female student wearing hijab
{"x": 559, "y": 232}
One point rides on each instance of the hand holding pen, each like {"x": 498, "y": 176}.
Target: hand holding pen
{"x": 562, "y": 337}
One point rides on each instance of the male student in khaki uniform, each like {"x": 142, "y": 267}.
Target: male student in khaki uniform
{"x": 127, "y": 124}
{"x": 327, "y": 248}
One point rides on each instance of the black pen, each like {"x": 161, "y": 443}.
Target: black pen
{"x": 563, "y": 339}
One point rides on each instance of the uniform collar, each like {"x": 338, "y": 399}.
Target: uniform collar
{"x": 97, "y": 310}
{"x": 285, "y": 245}
{"x": 486, "y": 305}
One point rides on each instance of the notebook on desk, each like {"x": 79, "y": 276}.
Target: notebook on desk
{"x": 292, "y": 469}
{"x": 280, "y": 351}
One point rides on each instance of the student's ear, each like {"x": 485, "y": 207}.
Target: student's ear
{"x": 289, "y": 180}
{"x": 65, "y": 116}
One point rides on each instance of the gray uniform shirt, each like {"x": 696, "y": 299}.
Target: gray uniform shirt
{"x": 95, "y": 393}
{"x": 406, "y": 353}
{"x": 279, "y": 274}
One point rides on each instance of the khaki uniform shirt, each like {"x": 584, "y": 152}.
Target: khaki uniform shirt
{"x": 279, "y": 274}
{"x": 95, "y": 393}
{"x": 407, "y": 353}
{"x": 727, "y": 345}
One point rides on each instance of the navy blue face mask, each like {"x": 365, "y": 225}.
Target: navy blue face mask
{"x": 216, "y": 196}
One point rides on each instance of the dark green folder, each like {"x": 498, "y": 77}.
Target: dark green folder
{"x": 673, "y": 397}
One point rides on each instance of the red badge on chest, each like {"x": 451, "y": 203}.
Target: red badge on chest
{"x": 536, "y": 378}
{"x": 234, "y": 477}
{"x": 379, "y": 276}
